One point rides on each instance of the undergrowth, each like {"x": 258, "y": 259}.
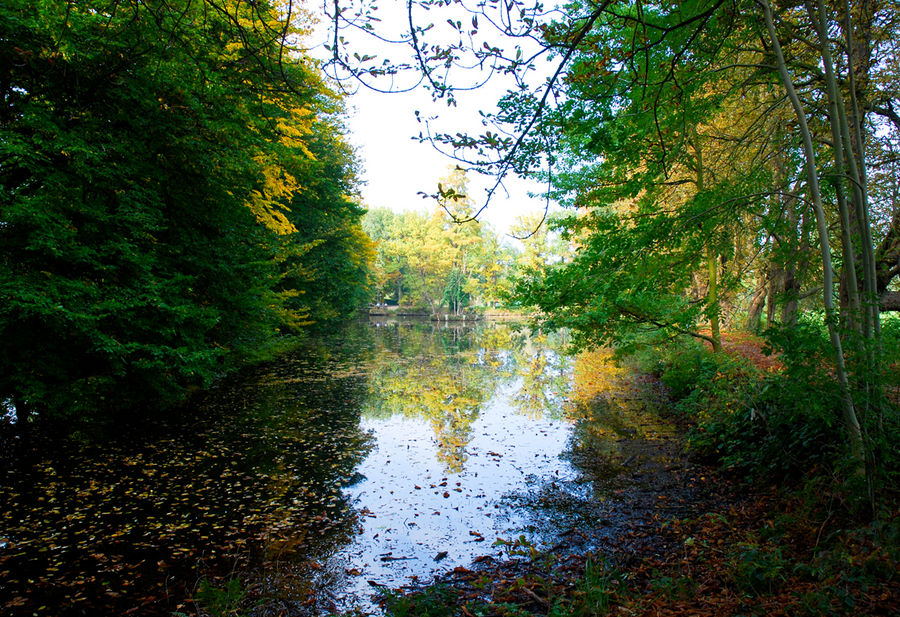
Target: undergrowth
{"x": 780, "y": 426}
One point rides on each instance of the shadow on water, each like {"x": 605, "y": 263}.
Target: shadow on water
{"x": 392, "y": 453}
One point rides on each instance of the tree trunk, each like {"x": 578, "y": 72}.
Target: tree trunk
{"x": 773, "y": 291}
{"x": 754, "y": 312}
{"x": 791, "y": 297}
{"x": 890, "y": 301}
{"x": 712, "y": 262}
{"x": 851, "y": 421}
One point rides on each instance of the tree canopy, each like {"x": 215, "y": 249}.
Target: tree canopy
{"x": 175, "y": 190}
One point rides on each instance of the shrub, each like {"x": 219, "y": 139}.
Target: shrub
{"x": 776, "y": 425}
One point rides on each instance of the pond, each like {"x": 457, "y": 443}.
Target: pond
{"x": 383, "y": 457}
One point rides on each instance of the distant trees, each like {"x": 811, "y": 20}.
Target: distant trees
{"x": 174, "y": 190}
{"x": 430, "y": 261}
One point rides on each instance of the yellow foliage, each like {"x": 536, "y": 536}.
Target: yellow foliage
{"x": 596, "y": 375}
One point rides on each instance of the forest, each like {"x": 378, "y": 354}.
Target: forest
{"x": 201, "y": 346}
{"x": 175, "y": 195}
{"x": 429, "y": 263}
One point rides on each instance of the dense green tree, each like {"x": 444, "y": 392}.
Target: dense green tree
{"x": 326, "y": 261}
{"x": 149, "y": 157}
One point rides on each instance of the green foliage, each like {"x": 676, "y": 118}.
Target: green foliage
{"x": 229, "y": 600}
{"x": 148, "y": 156}
{"x": 757, "y": 569}
{"x": 675, "y": 148}
{"x": 687, "y": 369}
{"x": 676, "y": 588}
{"x": 431, "y": 263}
{"x": 766, "y": 425}
{"x": 645, "y": 172}
{"x": 615, "y": 289}
{"x": 325, "y": 263}
{"x": 594, "y": 594}
{"x": 779, "y": 425}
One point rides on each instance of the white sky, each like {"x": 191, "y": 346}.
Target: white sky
{"x": 395, "y": 166}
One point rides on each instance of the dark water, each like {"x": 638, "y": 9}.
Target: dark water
{"x": 389, "y": 454}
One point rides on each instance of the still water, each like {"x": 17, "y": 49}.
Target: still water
{"x": 387, "y": 455}
{"x": 461, "y": 420}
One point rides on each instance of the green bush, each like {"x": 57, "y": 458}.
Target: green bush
{"x": 687, "y": 369}
{"x": 230, "y": 600}
{"x": 434, "y": 601}
{"x": 776, "y": 425}
{"x": 757, "y": 569}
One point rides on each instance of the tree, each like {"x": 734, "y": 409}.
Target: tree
{"x": 326, "y": 261}
{"x": 149, "y": 155}
{"x": 457, "y": 205}
{"x": 627, "y": 127}
{"x": 431, "y": 261}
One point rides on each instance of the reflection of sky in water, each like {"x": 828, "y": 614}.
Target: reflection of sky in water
{"x": 8, "y": 411}
{"x": 414, "y": 509}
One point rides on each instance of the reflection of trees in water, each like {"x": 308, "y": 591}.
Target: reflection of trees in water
{"x": 607, "y": 403}
{"x": 546, "y": 377}
{"x": 442, "y": 374}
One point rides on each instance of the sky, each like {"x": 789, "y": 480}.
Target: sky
{"x": 396, "y": 167}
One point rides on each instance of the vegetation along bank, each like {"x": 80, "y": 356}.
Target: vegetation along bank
{"x": 179, "y": 200}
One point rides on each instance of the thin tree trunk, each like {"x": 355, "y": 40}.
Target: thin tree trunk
{"x": 851, "y": 421}
{"x": 792, "y": 271}
{"x": 852, "y": 309}
{"x": 712, "y": 266}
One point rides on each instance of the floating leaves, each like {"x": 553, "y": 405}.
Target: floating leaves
{"x": 104, "y": 530}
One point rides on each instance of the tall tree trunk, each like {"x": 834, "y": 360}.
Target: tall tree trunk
{"x": 773, "y": 291}
{"x": 795, "y": 265}
{"x": 851, "y": 421}
{"x": 712, "y": 265}
{"x": 791, "y": 296}
{"x": 712, "y": 261}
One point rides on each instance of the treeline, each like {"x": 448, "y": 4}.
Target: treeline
{"x": 443, "y": 262}
{"x": 176, "y": 197}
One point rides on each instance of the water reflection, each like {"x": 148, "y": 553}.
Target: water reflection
{"x": 460, "y": 418}
{"x": 446, "y": 375}
{"x": 361, "y": 458}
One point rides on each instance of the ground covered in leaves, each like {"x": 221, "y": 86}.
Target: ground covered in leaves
{"x": 734, "y": 555}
